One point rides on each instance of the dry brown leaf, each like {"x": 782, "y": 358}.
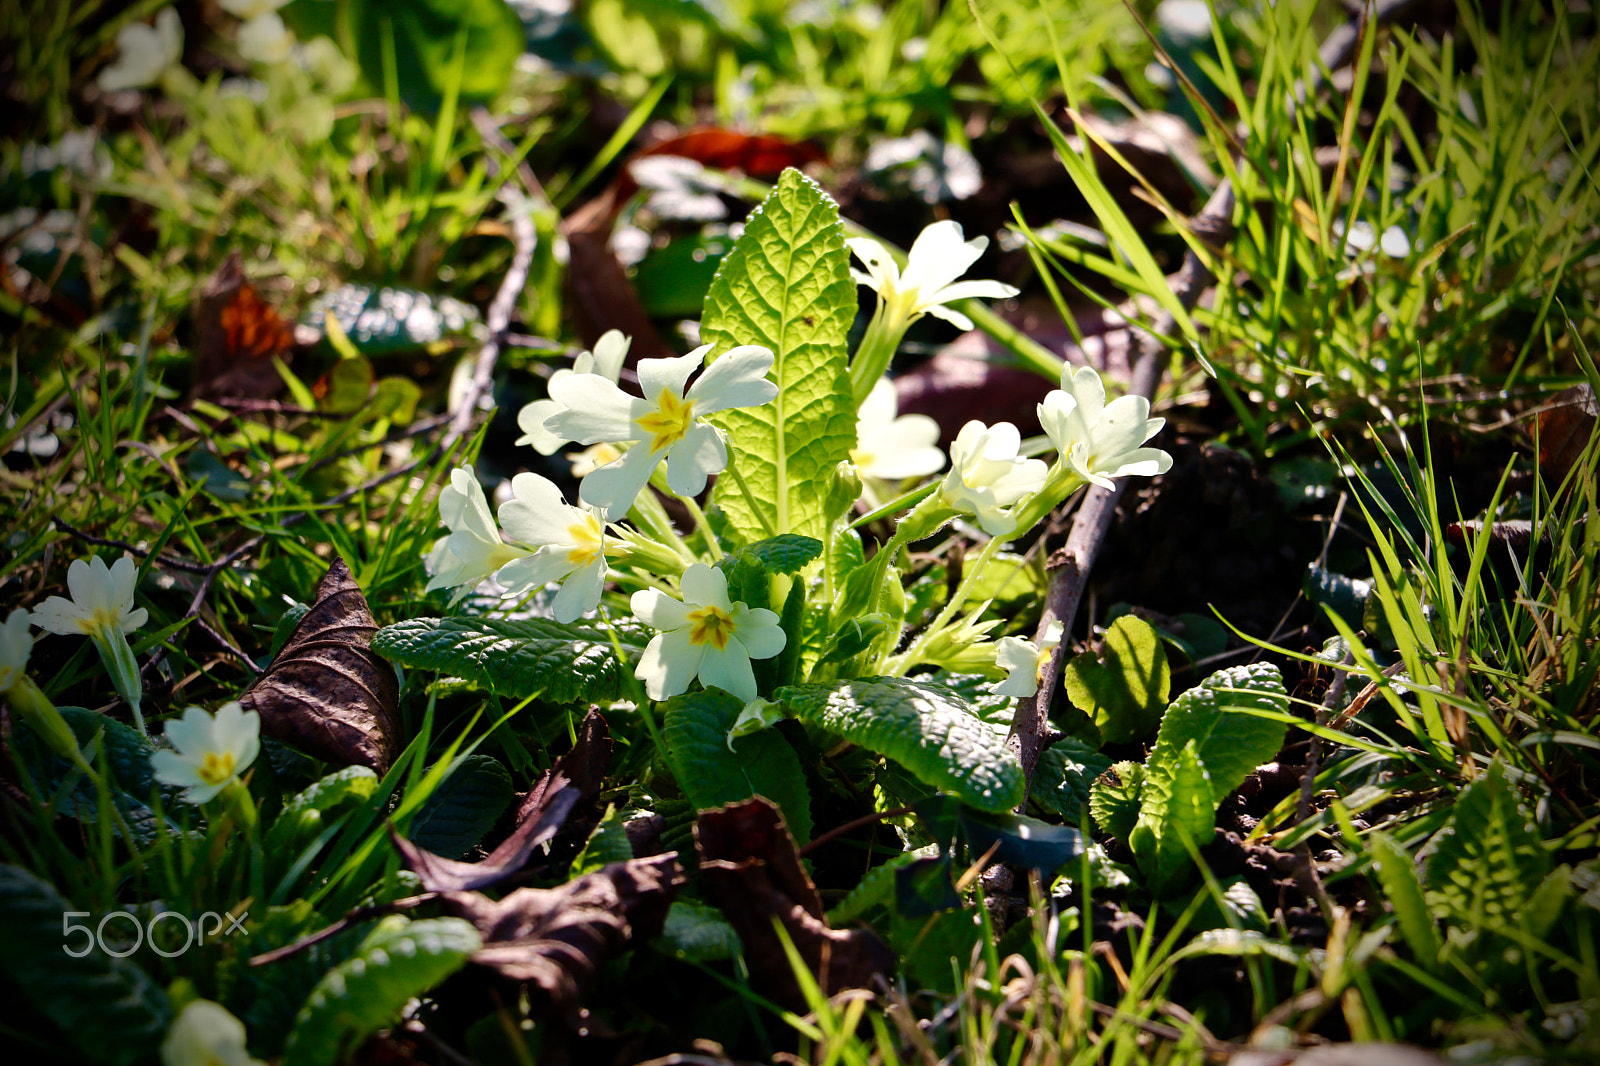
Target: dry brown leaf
{"x": 236, "y": 336}
{"x": 327, "y": 693}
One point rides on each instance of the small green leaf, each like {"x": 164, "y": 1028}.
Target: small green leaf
{"x": 349, "y": 384}
{"x": 926, "y": 728}
{"x": 1215, "y": 716}
{"x": 607, "y": 844}
{"x": 303, "y": 816}
{"x": 1173, "y": 810}
{"x": 398, "y": 961}
{"x": 1489, "y": 861}
{"x": 529, "y": 657}
{"x": 697, "y": 932}
{"x": 696, "y": 733}
{"x": 1124, "y": 689}
{"x": 456, "y": 815}
{"x": 1114, "y": 798}
{"x": 786, "y": 285}
{"x": 1066, "y": 771}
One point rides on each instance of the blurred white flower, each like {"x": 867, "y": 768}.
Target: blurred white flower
{"x": 666, "y": 424}
{"x": 249, "y": 9}
{"x": 211, "y": 751}
{"x": 322, "y": 59}
{"x": 571, "y": 543}
{"x": 610, "y": 352}
{"x": 678, "y": 188}
{"x": 937, "y": 258}
{"x": 705, "y": 636}
{"x": 1024, "y": 660}
{"x": 16, "y": 643}
{"x": 986, "y": 475}
{"x": 205, "y": 1034}
{"x": 1097, "y": 440}
{"x": 145, "y": 53}
{"x": 893, "y": 448}
{"x": 265, "y": 39}
{"x": 474, "y": 549}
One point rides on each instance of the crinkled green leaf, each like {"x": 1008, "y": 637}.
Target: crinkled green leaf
{"x": 1489, "y": 861}
{"x": 107, "y": 1007}
{"x": 1114, "y": 798}
{"x": 456, "y": 816}
{"x": 1403, "y": 890}
{"x": 1215, "y": 715}
{"x": 1125, "y": 686}
{"x": 1066, "y": 771}
{"x": 786, "y": 285}
{"x": 1176, "y": 809}
{"x": 398, "y": 961}
{"x": 302, "y": 816}
{"x": 747, "y": 568}
{"x": 711, "y": 774}
{"x": 529, "y": 657}
{"x": 697, "y": 932}
{"x": 926, "y": 728}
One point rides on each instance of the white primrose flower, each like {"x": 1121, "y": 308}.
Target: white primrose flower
{"x": 704, "y": 636}
{"x": 1099, "y": 440}
{"x": 16, "y": 644}
{"x": 145, "y": 53}
{"x": 205, "y": 1034}
{"x": 321, "y": 58}
{"x": 893, "y": 448}
{"x": 986, "y": 475}
{"x": 571, "y": 543}
{"x": 666, "y": 423}
{"x": 211, "y": 752}
{"x": 474, "y": 549}
{"x": 937, "y": 258}
{"x": 250, "y": 9}
{"x": 265, "y": 39}
{"x": 1024, "y": 661}
{"x": 610, "y": 351}
{"x": 101, "y": 604}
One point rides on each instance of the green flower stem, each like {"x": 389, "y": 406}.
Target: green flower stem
{"x": 236, "y": 800}
{"x": 117, "y": 657}
{"x": 898, "y": 504}
{"x": 899, "y": 664}
{"x": 1063, "y": 482}
{"x": 749, "y": 497}
{"x": 924, "y": 519}
{"x": 701, "y": 524}
{"x": 653, "y": 518}
{"x": 35, "y": 708}
{"x": 877, "y": 349}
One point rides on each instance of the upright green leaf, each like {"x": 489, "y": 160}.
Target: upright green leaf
{"x": 1489, "y": 861}
{"x": 302, "y": 816}
{"x": 712, "y": 774}
{"x": 1114, "y": 798}
{"x": 529, "y": 657}
{"x": 460, "y": 812}
{"x": 926, "y": 728}
{"x": 1124, "y": 687}
{"x": 786, "y": 285}
{"x": 1403, "y": 890}
{"x": 398, "y": 961}
{"x": 1215, "y": 716}
{"x": 1172, "y": 811}
{"x": 109, "y": 1009}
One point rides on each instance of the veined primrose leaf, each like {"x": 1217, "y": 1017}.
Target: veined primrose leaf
{"x": 712, "y": 774}
{"x": 1114, "y": 798}
{"x": 398, "y": 961}
{"x": 927, "y": 729}
{"x": 529, "y": 657}
{"x": 1124, "y": 687}
{"x": 1179, "y": 809}
{"x": 1215, "y": 715}
{"x": 786, "y": 285}
{"x": 1489, "y": 862}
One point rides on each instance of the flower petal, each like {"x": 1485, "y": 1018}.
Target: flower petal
{"x": 758, "y": 630}
{"x": 658, "y": 610}
{"x": 537, "y": 513}
{"x": 938, "y": 256}
{"x": 669, "y": 663}
{"x": 705, "y": 586}
{"x": 535, "y": 571}
{"x": 698, "y": 455}
{"x": 173, "y": 769}
{"x": 950, "y": 315}
{"x": 58, "y": 615}
{"x": 191, "y": 734}
{"x": 531, "y": 421}
{"x": 595, "y": 410}
{"x": 613, "y": 488}
{"x": 976, "y": 289}
{"x": 669, "y": 375}
{"x": 737, "y": 379}
{"x": 581, "y": 592}
{"x": 729, "y": 669}
{"x": 610, "y": 352}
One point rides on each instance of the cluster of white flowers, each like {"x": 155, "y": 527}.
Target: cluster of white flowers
{"x": 263, "y": 38}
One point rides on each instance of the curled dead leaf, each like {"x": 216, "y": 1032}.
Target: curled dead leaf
{"x": 557, "y": 938}
{"x": 327, "y": 693}
{"x": 752, "y": 871}
{"x": 236, "y": 336}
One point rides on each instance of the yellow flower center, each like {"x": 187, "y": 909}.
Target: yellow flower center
{"x": 710, "y": 625}
{"x": 666, "y": 425}
{"x": 588, "y": 541}
{"x": 593, "y": 458}
{"x": 862, "y": 458}
{"x": 217, "y": 767}
{"x": 100, "y": 620}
